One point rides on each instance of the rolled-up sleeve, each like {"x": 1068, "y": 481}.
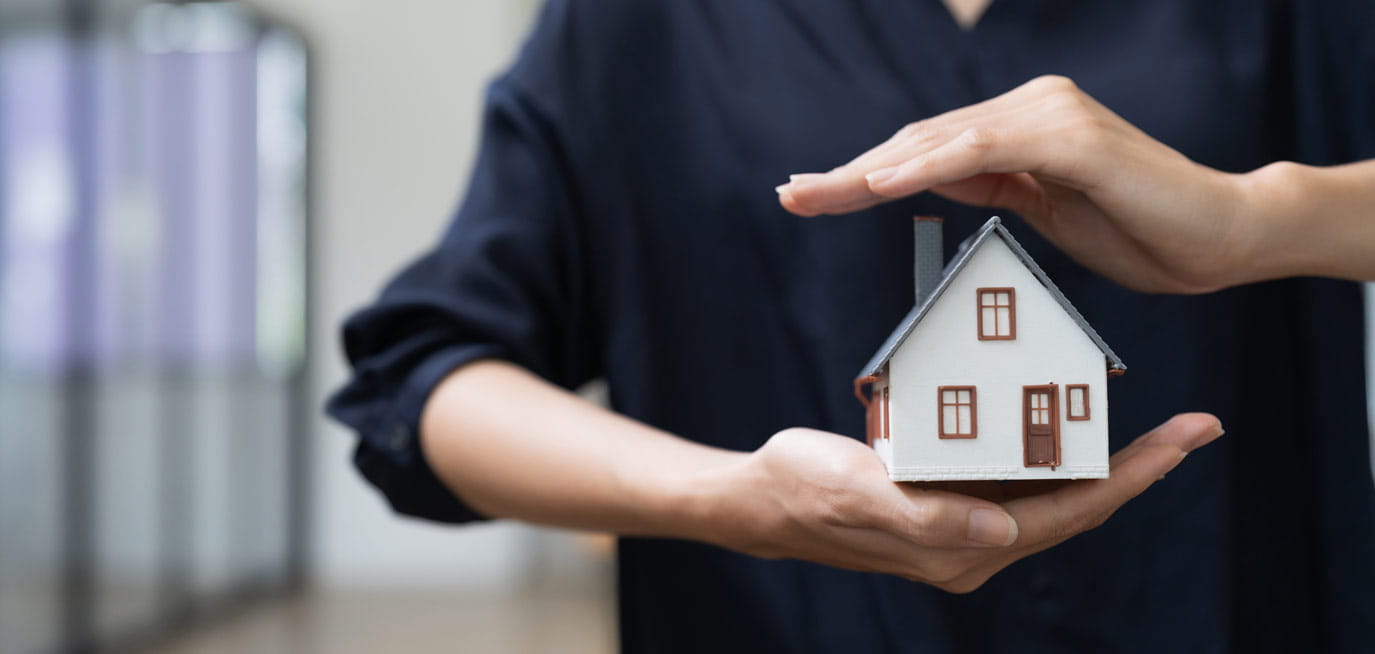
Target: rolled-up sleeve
{"x": 506, "y": 281}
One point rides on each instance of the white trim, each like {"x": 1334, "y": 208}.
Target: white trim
{"x": 956, "y": 473}
{"x": 883, "y": 447}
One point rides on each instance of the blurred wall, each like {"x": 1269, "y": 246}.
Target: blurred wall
{"x": 398, "y": 94}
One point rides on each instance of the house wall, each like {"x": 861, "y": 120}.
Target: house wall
{"x": 944, "y": 350}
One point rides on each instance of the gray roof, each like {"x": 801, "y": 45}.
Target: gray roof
{"x": 994, "y": 226}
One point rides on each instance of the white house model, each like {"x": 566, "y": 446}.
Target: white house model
{"x": 992, "y": 375}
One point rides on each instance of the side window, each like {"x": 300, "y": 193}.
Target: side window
{"x": 958, "y": 411}
{"x": 885, "y": 432}
{"x": 1077, "y": 408}
{"x": 876, "y": 416}
{"x": 997, "y": 314}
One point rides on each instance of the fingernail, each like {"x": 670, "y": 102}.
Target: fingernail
{"x": 781, "y": 189}
{"x": 881, "y": 176}
{"x": 992, "y": 527}
{"x": 1208, "y": 437}
{"x": 803, "y": 178}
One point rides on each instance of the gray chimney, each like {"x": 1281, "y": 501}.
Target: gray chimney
{"x": 929, "y": 257}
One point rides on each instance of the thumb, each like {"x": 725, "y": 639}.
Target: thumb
{"x": 937, "y": 518}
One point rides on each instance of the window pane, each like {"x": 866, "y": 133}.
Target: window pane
{"x": 1004, "y": 321}
{"x": 965, "y": 420}
{"x": 964, "y": 397}
{"x": 1003, "y": 299}
{"x": 985, "y": 299}
{"x": 948, "y": 397}
{"x": 883, "y": 414}
{"x": 989, "y": 321}
{"x": 1076, "y": 402}
{"x": 948, "y": 425}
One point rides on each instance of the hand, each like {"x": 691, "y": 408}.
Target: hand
{"x": 1103, "y": 191}
{"x": 826, "y": 498}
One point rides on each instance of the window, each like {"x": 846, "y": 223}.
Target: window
{"x": 876, "y": 417}
{"x": 1039, "y": 411}
{"x": 883, "y": 415}
{"x": 959, "y": 412}
{"x": 1078, "y": 406}
{"x": 997, "y": 314}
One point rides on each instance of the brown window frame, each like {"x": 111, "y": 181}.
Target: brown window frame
{"x": 973, "y": 411}
{"x": 1011, "y": 312}
{"x": 1069, "y": 402}
{"x": 877, "y": 416}
{"x": 886, "y": 416}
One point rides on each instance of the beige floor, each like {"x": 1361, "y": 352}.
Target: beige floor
{"x": 570, "y": 622}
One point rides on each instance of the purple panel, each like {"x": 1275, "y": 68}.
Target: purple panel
{"x": 167, "y": 130}
{"x": 202, "y": 121}
{"x": 40, "y": 205}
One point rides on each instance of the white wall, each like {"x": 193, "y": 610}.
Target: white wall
{"x": 398, "y": 97}
{"x": 944, "y": 350}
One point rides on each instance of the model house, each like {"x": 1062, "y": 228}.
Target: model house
{"x": 992, "y": 375}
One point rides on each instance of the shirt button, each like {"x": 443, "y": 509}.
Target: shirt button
{"x": 399, "y": 437}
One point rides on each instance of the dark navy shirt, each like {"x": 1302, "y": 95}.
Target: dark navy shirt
{"x": 622, "y": 223}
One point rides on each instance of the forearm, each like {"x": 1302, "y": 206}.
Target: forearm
{"x": 1312, "y": 221}
{"x": 514, "y": 446}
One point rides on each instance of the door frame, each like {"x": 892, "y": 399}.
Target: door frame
{"x": 1054, "y": 393}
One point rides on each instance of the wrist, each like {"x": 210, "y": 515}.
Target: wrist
{"x": 693, "y": 496}
{"x": 1276, "y": 202}
{"x": 716, "y": 500}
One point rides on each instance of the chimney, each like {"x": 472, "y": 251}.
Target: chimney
{"x": 929, "y": 256}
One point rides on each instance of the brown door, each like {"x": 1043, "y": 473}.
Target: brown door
{"x": 1041, "y": 425}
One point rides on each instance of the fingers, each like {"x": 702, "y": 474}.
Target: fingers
{"x": 1188, "y": 431}
{"x": 1017, "y": 192}
{"x": 845, "y": 188}
{"x": 1039, "y": 127}
{"x": 1084, "y": 505}
{"x": 976, "y": 151}
{"x": 935, "y": 518}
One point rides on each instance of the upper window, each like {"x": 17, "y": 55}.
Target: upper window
{"x": 959, "y": 411}
{"x": 997, "y": 314}
{"x": 1078, "y": 406}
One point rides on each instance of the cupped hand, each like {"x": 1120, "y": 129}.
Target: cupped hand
{"x": 1103, "y": 191}
{"x": 826, "y": 498}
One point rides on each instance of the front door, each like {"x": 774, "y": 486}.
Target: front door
{"x": 1041, "y": 425}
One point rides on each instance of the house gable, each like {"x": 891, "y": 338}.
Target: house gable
{"x": 992, "y": 231}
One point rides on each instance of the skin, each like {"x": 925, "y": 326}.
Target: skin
{"x": 1055, "y": 156}
{"x": 1127, "y": 206}
{"x": 966, "y": 12}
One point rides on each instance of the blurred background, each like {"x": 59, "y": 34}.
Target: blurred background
{"x": 192, "y": 197}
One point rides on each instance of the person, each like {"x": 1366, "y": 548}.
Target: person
{"x": 623, "y": 222}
